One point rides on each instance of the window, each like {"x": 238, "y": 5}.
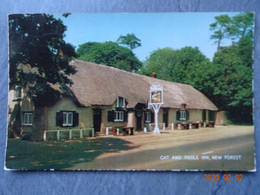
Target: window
{"x": 67, "y": 119}
{"x": 116, "y": 116}
{"x": 120, "y": 102}
{"x": 148, "y": 117}
{"x": 28, "y": 118}
{"x": 17, "y": 92}
{"x": 119, "y": 116}
{"x": 182, "y": 115}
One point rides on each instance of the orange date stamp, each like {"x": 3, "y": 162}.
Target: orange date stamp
{"x": 225, "y": 177}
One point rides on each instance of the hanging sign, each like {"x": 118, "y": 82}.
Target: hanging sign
{"x": 156, "y": 94}
{"x": 156, "y": 97}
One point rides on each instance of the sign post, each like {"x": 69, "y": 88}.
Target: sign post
{"x": 156, "y": 100}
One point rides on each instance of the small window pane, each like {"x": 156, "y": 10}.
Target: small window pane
{"x": 30, "y": 118}
{"x": 120, "y": 102}
{"x": 119, "y": 116}
{"x": 70, "y": 119}
{"x": 67, "y": 119}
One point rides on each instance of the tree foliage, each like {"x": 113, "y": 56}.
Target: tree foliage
{"x": 233, "y": 70}
{"x": 160, "y": 61}
{"x": 221, "y": 28}
{"x": 227, "y": 80}
{"x": 37, "y": 41}
{"x": 110, "y": 54}
{"x": 175, "y": 65}
{"x": 233, "y": 81}
{"x": 237, "y": 27}
{"x": 130, "y": 40}
{"x": 242, "y": 26}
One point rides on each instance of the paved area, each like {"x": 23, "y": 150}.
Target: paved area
{"x": 220, "y": 148}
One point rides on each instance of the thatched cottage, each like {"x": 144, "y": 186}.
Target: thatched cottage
{"x": 104, "y": 96}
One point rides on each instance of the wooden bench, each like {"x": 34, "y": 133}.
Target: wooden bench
{"x": 184, "y": 126}
{"x": 211, "y": 124}
{"x": 195, "y": 125}
{"x": 128, "y": 130}
{"x": 203, "y": 124}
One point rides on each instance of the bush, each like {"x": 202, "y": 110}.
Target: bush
{"x": 86, "y": 133}
{"x": 64, "y": 135}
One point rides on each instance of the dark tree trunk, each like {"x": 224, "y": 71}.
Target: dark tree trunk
{"x": 15, "y": 125}
{"x": 40, "y": 123}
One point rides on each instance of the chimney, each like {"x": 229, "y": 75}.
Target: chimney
{"x": 154, "y": 75}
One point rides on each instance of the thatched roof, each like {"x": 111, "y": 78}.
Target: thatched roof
{"x": 96, "y": 84}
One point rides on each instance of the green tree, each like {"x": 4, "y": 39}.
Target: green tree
{"x": 130, "y": 40}
{"x": 160, "y": 61}
{"x": 237, "y": 27}
{"x": 221, "y": 28}
{"x": 233, "y": 82}
{"x": 36, "y": 41}
{"x": 232, "y": 89}
{"x": 242, "y": 26}
{"x": 110, "y": 54}
{"x": 175, "y": 65}
{"x": 187, "y": 65}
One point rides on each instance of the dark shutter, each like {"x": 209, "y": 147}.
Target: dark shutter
{"x": 152, "y": 117}
{"x": 187, "y": 115}
{"x": 178, "y": 115}
{"x": 125, "y": 116}
{"x": 203, "y": 115}
{"x": 110, "y": 116}
{"x": 75, "y": 119}
{"x": 114, "y": 116}
{"x": 211, "y": 115}
{"x": 59, "y": 119}
{"x": 145, "y": 116}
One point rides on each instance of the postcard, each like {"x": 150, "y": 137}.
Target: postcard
{"x": 131, "y": 91}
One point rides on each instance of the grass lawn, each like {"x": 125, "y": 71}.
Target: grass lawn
{"x": 140, "y": 151}
{"x": 27, "y": 155}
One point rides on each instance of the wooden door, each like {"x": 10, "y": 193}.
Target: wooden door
{"x": 97, "y": 119}
{"x": 165, "y": 117}
{"x": 139, "y": 120}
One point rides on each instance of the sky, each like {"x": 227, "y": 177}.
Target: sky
{"x": 155, "y": 30}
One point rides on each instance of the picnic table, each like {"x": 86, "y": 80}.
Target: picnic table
{"x": 128, "y": 130}
{"x": 211, "y": 124}
{"x": 184, "y": 126}
{"x": 195, "y": 125}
